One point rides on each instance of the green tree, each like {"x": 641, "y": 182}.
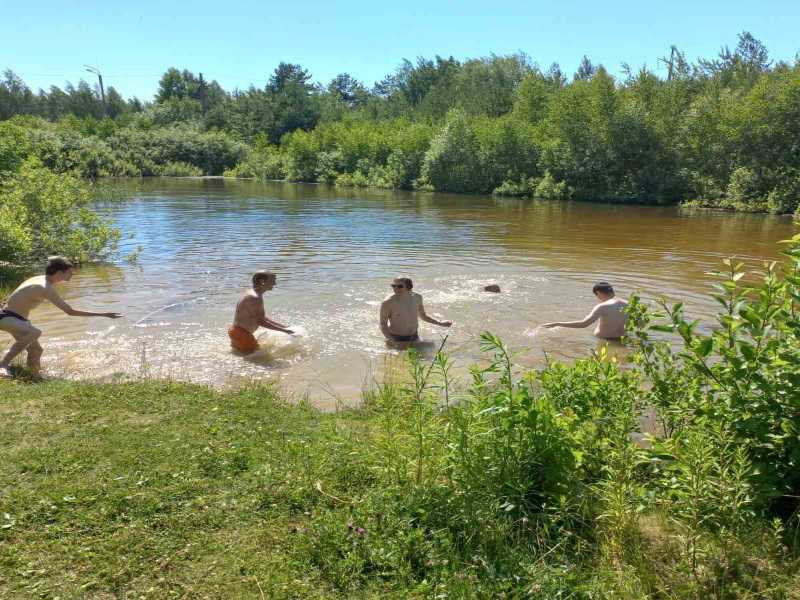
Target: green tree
{"x": 43, "y": 213}
{"x": 452, "y": 162}
{"x": 294, "y": 102}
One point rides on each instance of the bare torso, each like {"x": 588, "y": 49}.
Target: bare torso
{"x": 612, "y": 318}
{"x": 30, "y": 294}
{"x": 403, "y": 311}
{"x": 249, "y": 311}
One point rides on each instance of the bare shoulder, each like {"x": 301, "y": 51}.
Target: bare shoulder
{"x": 618, "y": 302}
{"x": 388, "y": 300}
{"x": 38, "y": 281}
{"x": 612, "y": 306}
{"x": 249, "y": 298}
{"x": 36, "y": 286}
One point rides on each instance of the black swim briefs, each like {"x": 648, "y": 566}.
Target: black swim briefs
{"x": 4, "y": 312}
{"x": 405, "y": 338}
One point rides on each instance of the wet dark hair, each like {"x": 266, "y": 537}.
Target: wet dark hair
{"x": 262, "y": 276}
{"x": 57, "y": 264}
{"x": 406, "y": 282}
{"x": 602, "y": 286}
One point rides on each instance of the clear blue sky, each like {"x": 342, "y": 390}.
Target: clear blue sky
{"x": 240, "y": 42}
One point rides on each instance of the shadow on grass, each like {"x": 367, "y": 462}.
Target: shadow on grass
{"x": 25, "y": 375}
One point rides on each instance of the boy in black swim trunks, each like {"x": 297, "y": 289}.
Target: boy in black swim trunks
{"x": 400, "y": 314}
{"x": 30, "y": 294}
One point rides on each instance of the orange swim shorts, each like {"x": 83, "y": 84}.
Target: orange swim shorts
{"x": 242, "y": 340}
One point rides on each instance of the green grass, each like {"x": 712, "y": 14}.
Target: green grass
{"x": 160, "y": 489}
{"x": 165, "y": 489}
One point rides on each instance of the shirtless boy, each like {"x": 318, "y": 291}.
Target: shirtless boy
{"x": 400, "y": 313}
{"x": 30, "y": 294}
{"x": 250, "y": 315}
{"x": 609, "y": 314}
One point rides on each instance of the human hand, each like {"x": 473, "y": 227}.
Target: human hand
{"x": 445, "y": 323}
{"x": 288, "y": 331}
{"x": 112, "y": 315}
{"x": 549, "y": 325}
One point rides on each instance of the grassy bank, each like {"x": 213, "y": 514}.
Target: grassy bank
{"x": 164, "y": 489}
{"x": 522, "y": 490}
{"x": 514, "y": 485}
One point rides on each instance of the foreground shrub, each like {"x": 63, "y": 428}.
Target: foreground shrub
{"x": 43, "y": 213}
{"x": 742, "y": 378}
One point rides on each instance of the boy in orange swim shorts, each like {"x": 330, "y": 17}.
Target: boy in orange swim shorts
{"x": 250, "y": 315}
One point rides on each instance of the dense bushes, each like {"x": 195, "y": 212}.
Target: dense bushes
{"x": 127, "y": 151}
{"x": 720, "y": 132}
{"x": 742, "y": 379}
{"x": 42, "y": 213}
{"x": 211, "y": 152}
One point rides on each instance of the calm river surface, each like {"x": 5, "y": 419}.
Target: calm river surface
{"x": 335, "y": 252}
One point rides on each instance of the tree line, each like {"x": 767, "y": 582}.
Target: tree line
{"x": 717, "y": 132}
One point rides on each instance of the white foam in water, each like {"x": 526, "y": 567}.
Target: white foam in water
{"x": 280, "y": 346}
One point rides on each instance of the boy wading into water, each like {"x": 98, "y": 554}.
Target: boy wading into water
{"x": 400, "y": 314}
{"x": 30, "y": 294}
{"x": 609, "y": 314}
{"x": 250, "y": 315}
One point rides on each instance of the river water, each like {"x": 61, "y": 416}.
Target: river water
{"x": 335, "y": 252}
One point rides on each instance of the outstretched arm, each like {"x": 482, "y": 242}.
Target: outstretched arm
{"x": 588, "y": 320}
{"x": 60, "y": 303}
{"x": 424, "y": 316}
{"x": 265, "y": 321}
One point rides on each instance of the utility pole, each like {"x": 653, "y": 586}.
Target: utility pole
{"x": 202, "y": 93}
{"x": 96, "y": 71}
{"x": 670, "y": 62}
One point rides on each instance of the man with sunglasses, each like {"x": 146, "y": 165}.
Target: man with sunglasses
{"x": 609, "y": 314}
{"x": 400, "y": 314}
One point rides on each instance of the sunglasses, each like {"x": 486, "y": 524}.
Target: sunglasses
{"x": 398, "y": 286}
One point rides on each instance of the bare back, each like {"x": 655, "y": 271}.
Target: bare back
{"x": 611, "y": 318}
{"x": 31, "y": 293}
{"x": 249, "y": 312}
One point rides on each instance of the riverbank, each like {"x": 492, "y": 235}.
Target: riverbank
{"x": 160, "y": 489}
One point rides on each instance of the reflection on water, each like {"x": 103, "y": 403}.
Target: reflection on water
{"x": 335, "y": 252}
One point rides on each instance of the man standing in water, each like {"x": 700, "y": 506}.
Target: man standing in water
{"x": 609, "y": 314}
{"x": 400, "y": 313}
{"x": 250, "y": 315}
{"x": 30, "y": 294}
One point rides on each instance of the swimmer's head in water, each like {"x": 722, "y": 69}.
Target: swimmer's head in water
{"x": 401, "y": 284}
{"x": 59, "y": 267}
{"x": 264, "y": 280}
{"x": 603, "y": 290}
